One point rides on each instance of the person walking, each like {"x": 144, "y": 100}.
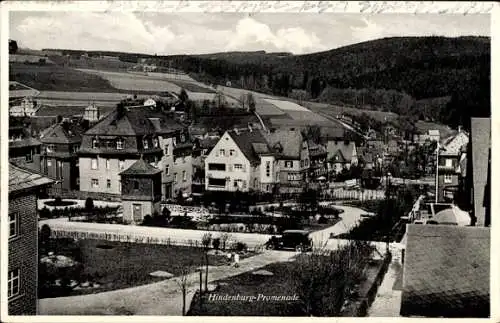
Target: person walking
{"x": 236, "y": 260}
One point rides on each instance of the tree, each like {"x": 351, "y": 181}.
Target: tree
{"x": 89, "y": 204}
{"x": 45, "y": 233}
{"x": 251, "y": 102}
{"x": 183, "y": 96}
{"x": 182, "y": 281}
{"x": 243, "y": 100}
{"x": 205, "y": 241}
{"x": 313, "y": 133}
{"x": 12, "y": 46}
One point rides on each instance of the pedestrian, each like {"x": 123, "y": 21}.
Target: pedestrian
{"x": 236, "y": 260}
{"x": 229, "y": 258}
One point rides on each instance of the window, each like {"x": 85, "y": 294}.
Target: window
{"x": 175, "y": 177}
{"x": 75, "y": 148}
{"x": 183, "y": 138}
{"x": 167, "y": 170}
{"x": 244, "y": 184}
{"x": 119, "y": 144}
{"x": 94, "y": 143}
{"x": 121, "y": 164}
{"x": 14, "y": 282}
{"x": 232, "y": 152}
{"x": 50, "y": 148}
{"x": 289, "y": 164}
{"x": 108, "y": 183}
{"x": 136, "y": 185}
{"x": 238, "y": 167}
{"x": 222, "y": 152}
{"x": 294, "y": 177}
{"x": 78, "y": 181}
{"x": 217, "y": 182}
{"x": 268, "y": 168}
{"x": 301, "y": 163}
{"x": 145, "y": 144}
{"x": 448, "y": 179}
{"x": 13, "y": 224}
{"x": 49, "y": 162}
{"x": 184, "y": 177}
{"x": 119, "y": 186}
{"x": 29, "y": 157}
{"x": 449, "y": 162}
{"x": 166, "y": 150}
{"x": 155, "y": 142}
{"x": 219, "y": 167}
{"x": 306, "y": 163}
{"x": 93, "y": 163}
{"x": 107, "y": 163}
{"x": 174, "y": 141}
{"x": 238, "y": 183}
{"x": 94, "y": 183}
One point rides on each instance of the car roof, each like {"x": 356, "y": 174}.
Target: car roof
{"x": 296, "y": 231}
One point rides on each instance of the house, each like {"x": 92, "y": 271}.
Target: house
{"x": 446, "y": 272}
{"x": 22, "y": 275}
{"x": 141, "y": 191}
{"x": 480, "y": 138}
{"x": 24, "y": 149}
{"x": 318, "y": 166}
{"x": 241, "y": 161}
{"x": 25, "y": 107}
{"x": 342, "y": 154}
{"x": 118, "y": 140}
{"x": 92, "y": 113}
{"x": 448, "y": 167}
{"x": 59, "y": 153}
{"x": 429, "y": 135}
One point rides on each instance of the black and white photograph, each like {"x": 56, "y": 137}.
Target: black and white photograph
{"x": 246, "y": 163}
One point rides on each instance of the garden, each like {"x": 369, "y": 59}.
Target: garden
{"x": 322, "y": 283}
{"x": 71, "y": 267}
{"x": 88, "y": 213}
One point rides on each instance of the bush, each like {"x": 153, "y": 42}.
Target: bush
{"x": 216, "y": 243}
{"x": 58, "y": 200}
{"x": 322, "y": 220}
{"x": 148, "y": 220}
{"x": 89, "y": 204}
{"x": 45, "y": 213}
{"x": 45, "y": 233}
{"x": 240, "y": 246}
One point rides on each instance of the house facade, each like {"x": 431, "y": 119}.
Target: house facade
{"x": 341, "y": 155}
{"x": 59, "y": 153}
{"x": 24, "y": 149}
{"x": 22, "y": 273}
{"x": 481, "y": 169}
{"x": 234, "y": 164}
{"x": 114, "y": 144}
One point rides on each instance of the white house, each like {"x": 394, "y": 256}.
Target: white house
{"x": 241, "y": 161}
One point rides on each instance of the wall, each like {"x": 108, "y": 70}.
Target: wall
{"x": 23, "y": 254}
{"x": 183, "y": 164}
{"x": 101, "y": 173}
{"x": 67, "y": 174}
{"x": 147, "y": 208}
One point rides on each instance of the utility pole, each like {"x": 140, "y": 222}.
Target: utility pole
{"x": 437, "y": 171}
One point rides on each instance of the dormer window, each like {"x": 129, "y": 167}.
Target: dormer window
{"x": 94, "y": 143}
{"x": 50, "y": 148}
{"x": 155, "y": 142}
{"x": 145, "y": 144}
{"x": 183, "y": 138}
{"x": 119, "y": 144}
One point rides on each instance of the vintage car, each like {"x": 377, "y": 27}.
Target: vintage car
{"x": 298, "y": 240}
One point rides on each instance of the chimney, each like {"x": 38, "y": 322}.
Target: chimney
{"x": 459, "y": 129}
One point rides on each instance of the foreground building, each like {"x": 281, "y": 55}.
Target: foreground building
{"x": 22, "y": 275}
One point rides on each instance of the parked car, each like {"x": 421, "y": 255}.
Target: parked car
{"x": 299, "y": 240}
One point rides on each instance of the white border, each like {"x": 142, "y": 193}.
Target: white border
{"x": 247, "y": 6}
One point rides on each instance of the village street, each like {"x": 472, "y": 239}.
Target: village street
{"x": 165, "y": 298}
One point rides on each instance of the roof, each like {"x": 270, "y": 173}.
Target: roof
{"x": 25, "y": 142}
{"x": 453, "y": 144}
{"x": 315, "y": 149}
{"x": 290, "y": 141}
{"x": 208, "y": 143}
{"x": 340, "y": 148}
{"x": 62, "y": 133}
{"x": 296, "y": 231}
{"x": 134, "y": 122}
{"x": 22, "y": 179}
{"x": 141, "y": 167}
{"x": 245, "y": 140}
{"x": 446, "y": 271}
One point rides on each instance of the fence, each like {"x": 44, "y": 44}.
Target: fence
{"x": 80, "y": 195}
{"x": 361, "y": 195}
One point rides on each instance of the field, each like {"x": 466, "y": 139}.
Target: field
{"x": 121, "y": 265}
{"x": 68, "y": 111}
{"x": 192, "y": 87}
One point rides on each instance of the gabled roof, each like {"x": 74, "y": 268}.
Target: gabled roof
{"x": 133, "y": 122}
{"x": 290, "y": 140}
{"x": 64, "y": 132}
{"x": 141, "y": 167}
{"x": 245, "y": 140}
{"x": 23, "y": 179}
{"x": 446, "y": 271}
{"x": 453, "y": 144}
{"x": 346, "y": 149}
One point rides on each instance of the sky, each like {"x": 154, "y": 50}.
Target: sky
{"x": 201, "y": 33}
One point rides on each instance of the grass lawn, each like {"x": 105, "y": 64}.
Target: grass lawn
{"x": 248, "y": 284}
{"x": 117, "y": 265}
{"x": 315, "y": 226}
{"x": 192, "y": 87}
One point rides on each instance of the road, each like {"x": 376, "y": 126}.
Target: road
{"x": 164, "y": 298}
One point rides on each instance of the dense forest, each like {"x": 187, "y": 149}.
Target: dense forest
{"x": 432, "y": 78}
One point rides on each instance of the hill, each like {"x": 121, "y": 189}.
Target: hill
{"x": 414, "y": 68}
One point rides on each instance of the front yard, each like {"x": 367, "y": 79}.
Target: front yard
{"x": 109, "y": 265}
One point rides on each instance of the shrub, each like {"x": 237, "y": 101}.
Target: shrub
{"x": 89, "y": 204}
{"x": 148, "y": 220}
{"x": 58, "y": 200}
{"x": 45, "y": 233}
{"x": 45, "y": 213}
{"x": 206, "y": 240}
{"x": 240, "y": 246}
{"x": 322, "y": 220}
{"x": 216, "y": 243}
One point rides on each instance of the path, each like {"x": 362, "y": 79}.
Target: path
{"x": 387, "y": 303}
